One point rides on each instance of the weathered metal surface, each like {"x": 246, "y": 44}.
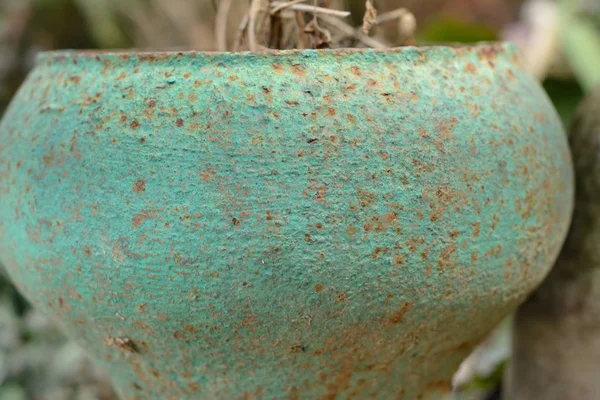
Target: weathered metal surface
{"x": 315, "y": 224}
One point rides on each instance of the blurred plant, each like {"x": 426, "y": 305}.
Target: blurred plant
{"x": 580, "y": 39}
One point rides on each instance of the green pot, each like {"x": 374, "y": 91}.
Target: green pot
{"x": 292, "y": 224}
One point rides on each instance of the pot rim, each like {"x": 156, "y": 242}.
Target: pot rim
{"x": 492, "y": 47}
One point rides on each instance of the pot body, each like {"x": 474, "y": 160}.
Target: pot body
{"x": 314, "y": 224}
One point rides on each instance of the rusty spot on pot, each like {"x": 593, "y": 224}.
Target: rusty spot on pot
{"x": 365, "y": 198}
{"x": 278, "y": 68}
{"x": 341, "y": 297}
{"x": 398, "y": 316}
{"x": 139, "y": 185}
{"x": 446, "y": 256}
{"x": 398, "y": 259}
{"x": 470, "y": 68}
{"x": 298, "y": 70}
{"x": 378, "y": 252}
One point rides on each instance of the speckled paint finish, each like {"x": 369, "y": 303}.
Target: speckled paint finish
{"x": 289, "y": 225}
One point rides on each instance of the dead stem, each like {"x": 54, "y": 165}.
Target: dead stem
{"x": 407, "y": 23}
{"x": 221, "y": 24}
{"x": 320, "y": 38}
{"x": 391, "y": 15}
{"x": 282, "y": 24}
{"x": 283, "y": 6}
{"x": 255, "y": 7}
{"x": 355, "y": 33}
{"x": 312, "y": 9}
{"x": 239, "y": 35}
{"x": 300, "y": 24}
{"x": 276, "y": 31}
{"x": 370, "y": 17}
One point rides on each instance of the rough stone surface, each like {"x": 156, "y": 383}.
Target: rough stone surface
{"x": 315, "y": 224}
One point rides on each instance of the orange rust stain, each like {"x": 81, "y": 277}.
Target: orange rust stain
{"x": 162, "y": 317}
{"x": 444, "y": 130}
{"x": 470, "y": 68}
{"x": 390, "y": 216}
{"x": 444, "y": 259}
{"x": 134, "y": 124}
{"x": 398, "y": 316}
{"x": 351, "y": 230}
{"x": 321, "y": 194}
{"x": 331, "y": 112}
{"x": 139, "y": 185}
{"x": 341, "y": 297}
{"x": 277, "y": 68}
{"x": 356, "y": 71}
{"x": 298, "y": 70}
{"x": 378, "y": 252}
{"x": 398, "y": 259}
{"x": 365, "y": 198}
{"x": 207, "y": 174}
{"x": 495, "y": 220}
{"x": 318, "y": 288}
{"x": 476, "y": 228}
{"x": 428, "y": 270}
{"x": 139, "y": 218}
{"x": 488, "y": 53}
{"x": 511, "y": 75}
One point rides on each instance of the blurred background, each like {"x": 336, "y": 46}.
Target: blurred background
{"x": 559, "y": 41}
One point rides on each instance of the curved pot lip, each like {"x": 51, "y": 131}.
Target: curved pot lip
{"x": 455, "y": 49}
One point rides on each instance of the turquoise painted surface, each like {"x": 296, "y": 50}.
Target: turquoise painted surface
{"x": 315, "y": 224}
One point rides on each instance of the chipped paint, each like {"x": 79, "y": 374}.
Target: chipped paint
{"x": 295, "y": 224}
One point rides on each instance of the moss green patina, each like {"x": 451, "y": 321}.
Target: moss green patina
{"x": 303, "y": 224}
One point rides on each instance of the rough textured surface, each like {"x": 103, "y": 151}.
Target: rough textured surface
{"x": 556, "y": 341}
{"x": 316, "y": 224}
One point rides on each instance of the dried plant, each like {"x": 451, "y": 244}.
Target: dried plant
{"x": 296, "y": 24}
